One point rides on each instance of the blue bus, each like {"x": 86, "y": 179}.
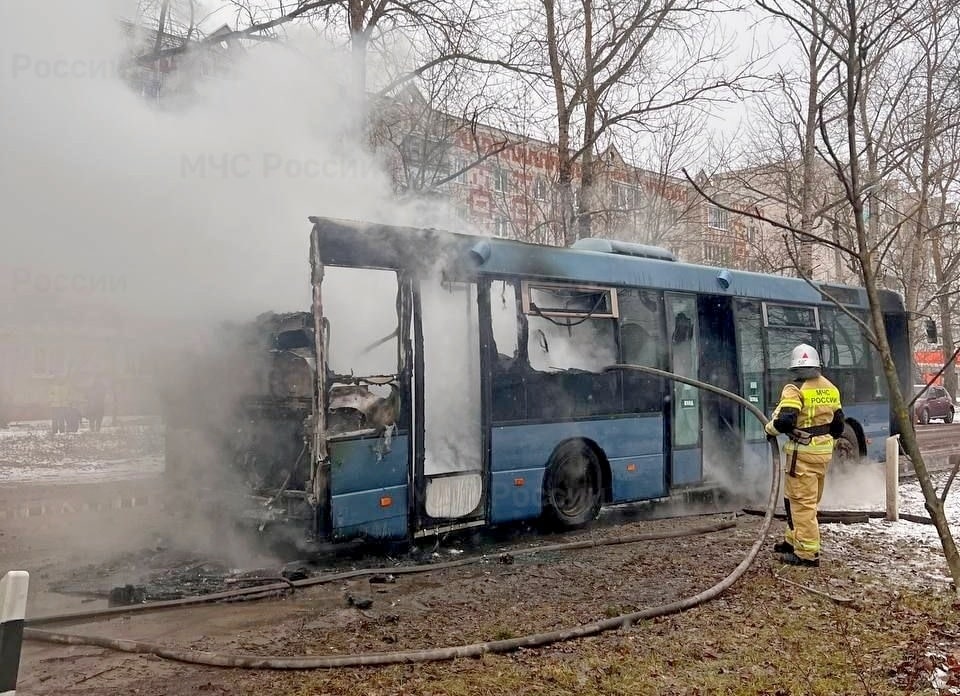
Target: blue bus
{"x": 443, "y": 381}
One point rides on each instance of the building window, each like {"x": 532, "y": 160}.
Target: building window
{"x": 501, "y": 226}
{"x": 716, "y": 253}
{"x": 540, "y": 189}
{"x": 717, "y": 218}
{"x": 626, "y": 197}
{"x": 459, "y": 170}
{"x": 418, "y": 150}
{"x": 501, "y": 180}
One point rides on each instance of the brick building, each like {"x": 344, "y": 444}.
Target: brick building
{"x": 506, "y": 184}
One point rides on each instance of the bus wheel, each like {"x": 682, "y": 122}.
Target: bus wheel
{"x": 572, "y": 487}
{"x": 846, "y": 450}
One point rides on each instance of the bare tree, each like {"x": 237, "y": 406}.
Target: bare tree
{"x": 930, "y": 113}
{"x": 858, "y": 141}
{"x": 609, "y": 64}
{"x": 640, "y": 194}
{"x": 421, "y": 33}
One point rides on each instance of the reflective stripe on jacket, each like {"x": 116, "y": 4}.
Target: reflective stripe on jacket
{"x": 816, "y": 400}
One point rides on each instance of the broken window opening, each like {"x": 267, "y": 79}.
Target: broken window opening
{"x": 360, "y": 313}
{"x": 503, "y": 317}
{"x": 585, "y": 301}
{"x": 589, "y": 345}
{"x": 570, "y": 327}
{"x": 362, "y": 353}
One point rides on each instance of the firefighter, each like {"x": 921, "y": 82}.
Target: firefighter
{"x": 811, "y": 416}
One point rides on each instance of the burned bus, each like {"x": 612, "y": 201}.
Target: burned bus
{"x": 442, "y": 381}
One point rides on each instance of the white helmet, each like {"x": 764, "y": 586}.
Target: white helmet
{"x": 804, "y": 356}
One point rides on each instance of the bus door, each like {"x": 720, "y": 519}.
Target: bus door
{"x": 450, "y": 480}
{"x": 365, "y": 363}
{"x": 720, "y": 419}
{"x": 784, "y": 327}
{"x": 752, "y": 363}
{"x": 686, "y": 467}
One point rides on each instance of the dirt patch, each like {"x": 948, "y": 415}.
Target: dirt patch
{"x": 764, "y": 636}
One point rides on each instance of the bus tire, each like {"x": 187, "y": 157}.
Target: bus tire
{"x": 572, "y": 486}
{"x": 849, "y": 454}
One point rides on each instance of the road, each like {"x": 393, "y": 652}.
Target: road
{"x": 939, "y": 436}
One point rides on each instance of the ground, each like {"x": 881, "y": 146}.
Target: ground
{"x": 767, "y": 635}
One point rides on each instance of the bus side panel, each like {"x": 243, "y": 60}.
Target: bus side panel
{"x": 637, "y": 478}
{"x": 633, "y": 446}
{"x": 368, "y": 490}
{"x": 686, "y": 468}
{"x": 875, "y": 419}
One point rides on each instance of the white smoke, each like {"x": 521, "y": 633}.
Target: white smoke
{"x": 110, "y": 201}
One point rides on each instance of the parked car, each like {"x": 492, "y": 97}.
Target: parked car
{"x": 935, "y": 404}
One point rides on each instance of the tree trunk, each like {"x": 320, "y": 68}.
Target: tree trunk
{"x": 564, "y": 199}
{"x": 908, "y": 437}
{"x": 565, "y": 208}
{"x": 587, "y": 160}
{"x": 809, "y": 152}
{"x": 358, "y": 48}
{"x": 946, "y": 316}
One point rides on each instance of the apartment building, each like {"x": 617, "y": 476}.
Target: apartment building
{"x": 507, "y": 184}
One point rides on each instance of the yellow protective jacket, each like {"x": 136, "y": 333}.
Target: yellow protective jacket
{"x": 816, "y": 401}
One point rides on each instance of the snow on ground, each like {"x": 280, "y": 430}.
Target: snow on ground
{"x": 902, "y": 553}
{"x": 30, "y": 453}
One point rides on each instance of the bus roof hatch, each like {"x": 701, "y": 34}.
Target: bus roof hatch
{"x": 614, "y": 246}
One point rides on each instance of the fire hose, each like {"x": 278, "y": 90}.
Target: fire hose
{"x": 429, "y": 654}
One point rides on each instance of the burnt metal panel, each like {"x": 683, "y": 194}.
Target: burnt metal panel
{"x": 362, "y": 464}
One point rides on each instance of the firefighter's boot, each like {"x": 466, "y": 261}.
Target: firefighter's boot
{"x": 793, "y": 559}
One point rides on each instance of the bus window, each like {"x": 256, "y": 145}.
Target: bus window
{"x": 843, "y": 344}
{"x": 570, "y": 328}
{"x": 362, "y": 348}
{"x": 787, "y": 326}
{"x": 642, "y": 342}
{"x": 750, "y": 340}
{"x": 848, "y": 359}
{"x": 684, "y": 354}
{"x": 503, "y": 316}
{"x": 641, "y": 328}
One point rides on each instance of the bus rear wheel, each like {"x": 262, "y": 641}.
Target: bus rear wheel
{"x": 572, "y": 487}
